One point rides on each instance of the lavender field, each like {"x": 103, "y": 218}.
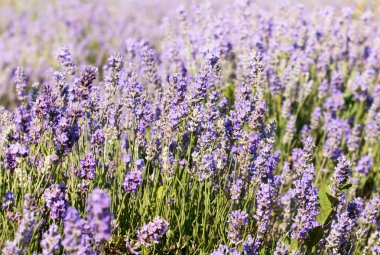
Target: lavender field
{"x": 186, "y": 127}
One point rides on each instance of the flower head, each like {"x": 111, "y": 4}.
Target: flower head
{"x": 237, "y": 220}
{"x": 152, "y": 232}
{"x": 98, "y": 207}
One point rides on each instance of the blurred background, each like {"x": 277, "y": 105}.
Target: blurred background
{"x": 31, "y": 30}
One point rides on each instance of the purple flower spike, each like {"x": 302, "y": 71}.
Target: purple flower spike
{"x": 340, "y": 177}
{"x": 98, "y": 206}
{"x": 364, "y": 165}
{"x": 132, "y": 181}
{"x": 237, "y": 220}
{"x": 87, "y": 167}
{"x": 72, "y": 242}
{"x": 341, "y": 227}
{"x": 11, "y": 248}
{"x": 65, "y": 60}
{"x": 152, "y": 232}
{"x": 225, "y": 250}
{"x": 8, "y": 201}
{"x": 56, "y": 199}
{"x": 50, "y": 240}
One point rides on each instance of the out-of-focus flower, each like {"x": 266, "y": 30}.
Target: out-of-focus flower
{"x": 72, "y": 230}
{"x": 50, "y": 240}
{"x": 87, "y": 167}
{"x": 56, "y": 199}
{"x": 65, "y": 60}
{"x": 364, "y": 165}
{"x": 236, "y": 221}
{"x": 152, "y": 232}
{"x": 8, "y": 201}
{"x": 224, "y": 250}
{"x": 132, "y": 181}
{"x": 98, "y": 207}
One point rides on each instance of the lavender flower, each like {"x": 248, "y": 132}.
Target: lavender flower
{"x": 354, "y": 139}
{"x": 13, "y": 152}
{"x": 236, "y": 188}
{"x": 72, "y": 242}
{"x": 315, "y": 118}
{"x": 87, "y": 237}
{"x": 43, "y": 105}
{"x": 371, "y": 209}
{"x": 28, "y": 224}
{"x": 207, "y": 167}
{"x": 84, "y": 83}
{"x": 22, "y": 119}
{"x": 251, "y": 245}
{"x": 306, "y": 194}
{"x": 290, "y": 130}
{"x": 305, "y": 219}
{"x": 259, "y": 114}
{"x": 8, "y": 201}
{"x": 336, "y": 130}
{"x": 376, "y": 249}
{"x": 139, "y": 164}
{"x": 132, "y": 181}
{"x": 149, "y": 60}
{"x": 97, "y": 139}
{"x": 66, "y": 134}
{"x": 340, "y": 177}
{"x": 237, "y": 220}
{"x": 286, "y": 206}
{"x": 65, "y": 60}
{"x": 243, "y": 101}
{"x": 281, "y": 249}
{"x": 87, "y": 167}
{"x": 11, "y": 248}
{"x": 98, "y": 206}
{"x": 152, "y": 232}
{"x": 50, "y": 240}
{"x": 265, "y": 200}
{"x": 305, "y": 132}
{"x": 364, "y": 165}
{"x": 343, "y": 225}
{"x": 224, "y": 250}
{"x": 56, "y": 199}
{"x": 372, "y": 128}
{"x": 199, "y": 88}
{"x": 21, "y": 84}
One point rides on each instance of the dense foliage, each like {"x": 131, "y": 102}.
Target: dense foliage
{"x": 242, "y": 132}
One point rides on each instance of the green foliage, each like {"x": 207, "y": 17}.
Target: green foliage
{"x": 327, "y": 204}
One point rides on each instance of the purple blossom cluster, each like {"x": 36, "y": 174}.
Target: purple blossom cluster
{"x": 56, "y": 200}
{"x": 237, "y": 220}
{"x": 50, "y": 241}
{"x": 26, "y": 227}
{"x": 152, "y": 232}
{"x": 341, "y": 228}
{"x": 235, "y": 129}
{"x": 8, "y": 201}
{"x": 224, "y": 250}
{"x": 306, "y": 194}
{"x": 340, "y": 177}
{"x": 87, "y": 166}
{"x": 100, "y": 215}
{"x": 132, "y": 181}
{"x": 73, "y": 241}
{"x": 134, "y": 178}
